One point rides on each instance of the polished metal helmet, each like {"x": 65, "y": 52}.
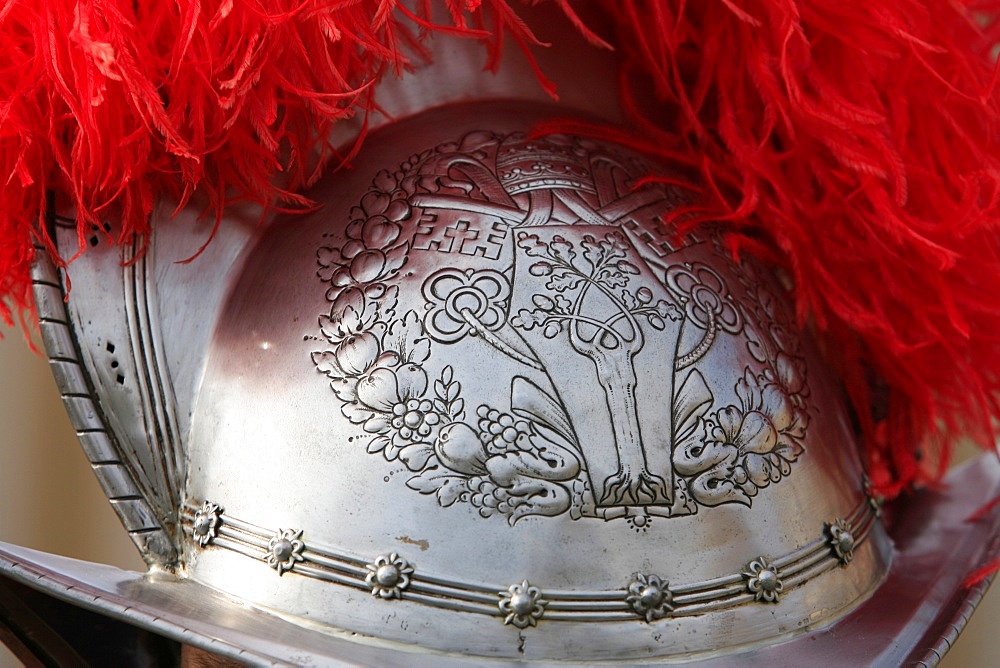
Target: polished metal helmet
{"x": 485, "y": 403}
{"x": 484, "y": 390}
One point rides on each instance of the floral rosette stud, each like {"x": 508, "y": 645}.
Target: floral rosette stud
{"x": 650, "y": 597}
{"x": 389, "y": 575}
{"x": 875, "y": 499}
{"x": 841, "y": 541}
{"x": 284, "y": 550}
{"x": 206, "y": 523}
{"x": 522, "y": 604}
{"x": 763, "y": 580}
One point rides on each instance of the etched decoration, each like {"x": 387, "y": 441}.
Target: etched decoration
{"x": 388, "y": 575}
{"x": 763, "y": 580}
{"x": 522, "y": 605}
{"x": 205, "y": 528}
{"x": 650, "y": 597}
{"x": 284, "y": 550}
{"x": 512, "y": 320}
{"x": 647, "y": 596}
{"x": 841, "y": 541}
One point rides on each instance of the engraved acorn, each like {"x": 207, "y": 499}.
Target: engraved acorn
{"x": 459, "y": 448}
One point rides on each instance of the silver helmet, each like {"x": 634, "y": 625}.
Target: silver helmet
{"x": 486, "y": 403}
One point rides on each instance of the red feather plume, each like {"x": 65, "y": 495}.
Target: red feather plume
{"x": 861, "y": 139}
{"x": 856, "y": 140}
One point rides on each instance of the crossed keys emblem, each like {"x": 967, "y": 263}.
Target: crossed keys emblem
{"x": 543, "y": 253}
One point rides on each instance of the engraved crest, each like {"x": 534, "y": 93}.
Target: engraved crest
{"x": 510, "y": 320}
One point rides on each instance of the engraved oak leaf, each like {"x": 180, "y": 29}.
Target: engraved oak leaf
{"x": 526, "y": 319}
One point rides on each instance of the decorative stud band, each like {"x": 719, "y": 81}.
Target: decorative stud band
{"x": 763, "y": 580}
{"x": 841, "y": 541}
{"x": 647, "y": 596}
{"x": 522, "y": 604}
{"x": 650, "y": 597}
{"x": 388, "y": 575}
{"x": 206, "y": 523}
{"x": 875, "y": 500}
{"x": 284, "y": 550}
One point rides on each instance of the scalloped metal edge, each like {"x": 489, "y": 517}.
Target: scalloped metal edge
{"x": 99, "y": 444}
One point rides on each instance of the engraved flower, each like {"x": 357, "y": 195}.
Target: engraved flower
{"x": 747, "y": 432}
{"x": 650, "y": 597}
{"x": 789, "y": 374}
{"x": 773, "y": 332}
{"x": 764, "y": 431}
{"x": 455, "y": 297}
{"x": 841, "y": 540}
{"x": 390, "y": 404}
{"x": 383, "y": 389}
{"x": 523, "y": 605}
{"x": 284, "y": 550}
{"x": 384, "y": 395}
{"x": 705, "y": 297}
{"x": 388, "y": 575}
{"x": 789, "y": 422}
{"x": 414, "y": 418}
{"x": 763, "y": 580}
{"x": 206, "y": 523}
{"x": 350, "y": 314}
{"x": 355, "y": 333}
{"x": 373, "y": 250}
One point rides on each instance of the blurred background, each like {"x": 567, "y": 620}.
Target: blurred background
{"x": 50, "y": 500}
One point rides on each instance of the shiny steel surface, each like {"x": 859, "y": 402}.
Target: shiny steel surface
{"x": 483, "y": 402}
{"x": 486, "y": 361}
{"x": 139, "y": 332}
{"x": 648, "y": 597}
{"x": 920, "y": 602}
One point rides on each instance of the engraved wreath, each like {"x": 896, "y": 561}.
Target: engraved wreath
{"x": 561, "y": 216}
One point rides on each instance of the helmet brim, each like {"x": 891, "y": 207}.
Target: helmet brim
{"x": 914, "y": 615}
